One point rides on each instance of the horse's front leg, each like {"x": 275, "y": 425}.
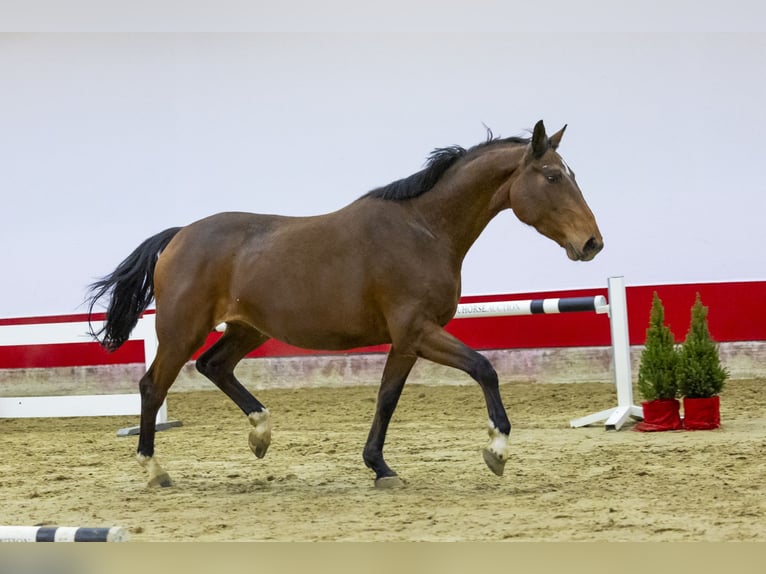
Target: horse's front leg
{"x": 439, "y": 346}
{"x": 394, "y": 376}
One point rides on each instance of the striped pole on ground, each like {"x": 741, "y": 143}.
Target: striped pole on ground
{"x": 62, "y": 534}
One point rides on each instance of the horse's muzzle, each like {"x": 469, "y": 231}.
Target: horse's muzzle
{"x": 588, "y": 251}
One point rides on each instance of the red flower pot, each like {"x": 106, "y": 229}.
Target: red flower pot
{"x": 660, "y": 415}
{"x": 702, "y": 414}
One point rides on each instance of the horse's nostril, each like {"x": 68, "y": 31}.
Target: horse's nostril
{"x": 592, "y": 245}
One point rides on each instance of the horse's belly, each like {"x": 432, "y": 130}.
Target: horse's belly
{"x": 331, "y": 341}
{"x": 311, "y": 319}
{"x": 309, "y": 333}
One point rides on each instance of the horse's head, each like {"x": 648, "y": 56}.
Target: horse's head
{"x": 546, "y": 196}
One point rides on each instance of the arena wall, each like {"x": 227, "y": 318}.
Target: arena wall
{"x": 539, "y": 348}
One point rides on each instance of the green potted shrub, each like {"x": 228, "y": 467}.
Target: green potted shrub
{"x": 700, "y": 374}
{"x": 657, "y": 375}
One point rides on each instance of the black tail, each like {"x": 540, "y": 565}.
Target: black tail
{"x": 132, "y": 289}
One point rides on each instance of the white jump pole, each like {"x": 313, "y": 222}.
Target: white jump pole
{"x": 79, "y": 405}
{"x": 618, "y": 323}
{"x": 596, "y": 304}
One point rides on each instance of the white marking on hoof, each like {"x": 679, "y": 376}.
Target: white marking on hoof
{"x": 157, "y": 476}
{"x": 260, "y": 436}
{"x": 497, "y": 451}
{"x": 499, "y": 443}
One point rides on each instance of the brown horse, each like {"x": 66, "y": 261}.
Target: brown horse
{"x": 384, "y": 269}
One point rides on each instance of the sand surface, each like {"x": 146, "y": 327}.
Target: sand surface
{"x": 561, "y": 484}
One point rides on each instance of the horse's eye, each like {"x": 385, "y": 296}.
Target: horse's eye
{"x": 553, "y": 178}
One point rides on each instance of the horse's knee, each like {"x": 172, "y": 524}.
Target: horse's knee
{"x": 483, "y": 371}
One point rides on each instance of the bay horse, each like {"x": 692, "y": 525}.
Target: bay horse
{"x": 385, "y": 269}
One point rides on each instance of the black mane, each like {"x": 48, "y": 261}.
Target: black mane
{"x": 439, "y": 161}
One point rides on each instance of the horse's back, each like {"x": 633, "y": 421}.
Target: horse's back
{"x": 198, "y": 263}
{"x": 209, "y": 244}
{"x": 327, "y": 282}
{"x": 282, "y": 275}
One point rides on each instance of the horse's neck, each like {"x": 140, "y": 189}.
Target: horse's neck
{"x": 461, "y": 205}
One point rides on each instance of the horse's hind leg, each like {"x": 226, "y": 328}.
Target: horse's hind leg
{"x": 154, "y": 387}
{"x": 217, "y": 364}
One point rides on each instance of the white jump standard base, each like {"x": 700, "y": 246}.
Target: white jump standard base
{"x": 618, "y": 323}
{"x": 617, "y": 309}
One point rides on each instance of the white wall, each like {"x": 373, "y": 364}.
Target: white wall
{"x": 106, "y": 139}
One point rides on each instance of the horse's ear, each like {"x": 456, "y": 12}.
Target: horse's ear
{"x": 539, "y": 140}
{"x": 555, "y": 139}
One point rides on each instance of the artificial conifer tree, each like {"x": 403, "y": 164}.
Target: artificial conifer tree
{"x": 699, "y": 371}
{"x": 657, "y": 369}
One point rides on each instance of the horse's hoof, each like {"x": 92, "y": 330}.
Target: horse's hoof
{"x": 157, "y": 476}
{"x": 162, "y": 480}
{"x": 389, "y": 482}
{"x": 257, "y": 444}
{"x": 260, "y": 436}
{"x": 493, "y": 461}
